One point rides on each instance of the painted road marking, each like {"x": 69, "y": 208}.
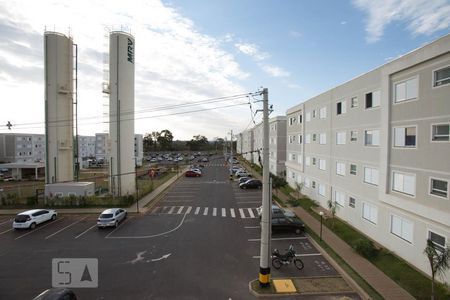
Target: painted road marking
{"x": 214, "y": 211}
{"x": 38, "y": 228}
{"x": 115, "y": 229}
{"x": 224, "y": 213}
{"x": 9, "y": 220}
{"x": 281, "y": 239}
{"x": 197, "y": 210}
{"x": 180, "y": 210}
{"x": 250, "y": 211}
{"x": 241, "y": 212}
{"x": 49, "y": 236}
{"x": 171, "y": 210}
{"x": 233, "y": 215}
{"x": 86, "y": 231}
{"x": 205, "y": 212}
{"x": 6, "y": 231}
{"x": 248, "y": 202}
{"x": 252, "y": 227}
{"x": 296, "y": 255}
{"x": 189, "y": 210}
{"x": 177, "y": 201}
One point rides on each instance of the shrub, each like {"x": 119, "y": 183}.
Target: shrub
{"x": 365, "y": 248}
{"x": 294, "y": 202}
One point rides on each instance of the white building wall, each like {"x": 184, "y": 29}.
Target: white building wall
{"x": 139, "y": 149}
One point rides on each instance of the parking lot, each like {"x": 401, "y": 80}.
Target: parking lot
{"x": 203, "y": 232}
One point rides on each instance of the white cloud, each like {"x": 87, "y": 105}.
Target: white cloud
{"x": 275, "y": 71}
{"x": 174, "y": 63}
{"x": 343, "y": 22}
{"x": 421, "y": 16}
{"x": 295, "y": 34}
{"x": 294, "y": 86}
{"x": 252, "y": 50}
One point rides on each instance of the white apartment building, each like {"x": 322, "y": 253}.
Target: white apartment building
{"x": 86, "y": 146}
{"x": 277, "y": 145}
{"x": 139, "y": 149}
{"x": 101, "y": 146}
{"x": 379, "y": 146}
{"x": 247, "y": 146}
{"x": 22, "y": 147}
{"x": 258, "y": 143}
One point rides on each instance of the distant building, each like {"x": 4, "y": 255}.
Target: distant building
{"x": 101, "y": 146}
{"x": 22, "y": 148}
{"x": 139, "y": 149}
{"x": 86, "y": 146}
{"x": 277, "y": 145}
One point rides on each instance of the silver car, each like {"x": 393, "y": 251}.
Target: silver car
{"x": 111, "y": 217}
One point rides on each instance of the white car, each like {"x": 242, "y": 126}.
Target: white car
{"x": 196, "y": 170}
{"x": 243, "y": 174}
{"x": 31, "y": 218}
{"x": 111, "y": 217}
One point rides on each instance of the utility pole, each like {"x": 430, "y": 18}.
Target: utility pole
{"x": 264, "y": 269}
{"x": 231, "y": 156}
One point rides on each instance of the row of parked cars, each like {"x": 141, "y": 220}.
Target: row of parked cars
{"x": 246, "y": 180}
{"x": 31, "y": 218}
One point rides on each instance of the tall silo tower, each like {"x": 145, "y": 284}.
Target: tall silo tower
{"x": 121, "y": 113}
{"x": 59, "y": 64}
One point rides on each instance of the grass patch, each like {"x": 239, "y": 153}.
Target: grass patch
{"x": 322, "y": 285}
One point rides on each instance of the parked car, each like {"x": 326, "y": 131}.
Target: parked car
{"x": 278, "y": 211}
{"x": 196, "y": 170}
{"x": 111, "y": 217}
{"x": 251, "y": 184}
{"x": 242, "y": 174}
{"x": 191, "y": 173}
{"x": 204, "y": 159}
{"x": 235, "y": 169}
{"x": 56, "y": 294}
{"x": 31, "y": 218}
{"x": 243, "y": 179}
{"x": 283, "y": 223}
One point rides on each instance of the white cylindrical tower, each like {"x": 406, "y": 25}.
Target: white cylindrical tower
{"x": 58, "y": 50}
{"x": 121, "y": 113}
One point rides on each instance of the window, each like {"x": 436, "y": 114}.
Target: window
{"x": 369, "y": 213}
{"x": 314, "y": 113}
{"x": 314, "y": 137}
{"x": 300, "y": 159}
{"x": 292, "y": 121}
{"x": 406, "y": 90}
{"x": 314, "y": 161}
{"x": 307, "y": 182}
{"x": 341, "y": 108}
{"x": 402, "y": 228}
{"x": 441, "y": 132}
{"x": 353, "y": 136}
{"x": 300, "y": 119}
{"x": 437, "y": 239}
{"x": 351, "y": 202}
{"x": 372, "y": 137}
{"x": 352, "y": 169}
{"x": 293, "y": 157}
{"x": 371, "y": 175}
{"x": 300, "y": 139}
{"x": 441, "y": 77}
{"x": 339, "y": 198}
{"x": 373, "y": 99}
{"x": 404, "y": 183}
{"x": 439, "y": 187}
{"x": 313, "y": 184}
{"x": 323, "y": 113}
{"x": 405, "y": 137}
{"x": 308, "y": 161}
{"x": 322, "y": 190}
{"x": 293, "y": 175}
{"x": 354, "y": 102}
{"x": 308, "y": 116}
{"x": 340, "y": 138}
{"x": 323, "y": 138}
{"x": 291, "y": 139}
{"x": 307, "y": 138}
{"x": 340, "y": 168}
{"x": 322, "y": 164}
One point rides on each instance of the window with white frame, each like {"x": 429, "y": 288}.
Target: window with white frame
{"x": 441, "y": 77}
{"x": 340, "y": 138}
{"x": 313, "y": 184}
{"x": 373, "y": 99}
{"x": 308, "y": 138}
{"x": 308, "y": 116}
{"x": 322, "y": 164}
{"x": 405, "y": 137}
{"x": 323, "y": 138}
{"x": 300, "y": 139}
{"x": 353, "y": 136}
{"x": 340, "y": 168}
{"x": 314, "y": 161}
{"x": 314, "y": 113}
{"x": 351, "y": 202}
{"x": 372, "y": 137}
{"x": 294, "y": 158}
{"x": 323, "y": 112}
{"x": 354, "y": 102}
{"x": 406, "y": 90}
{"x": 314, "y": 137}
{"x": 300, "y": 119}
{"x": 307, "y": 182}
{"x": 339, "y": 198}
{"x": 402, "y": 228}
{"x": 341, "y": 108}
{"x": 299, "y": 179}
{"x": 404, "y": 183}
{"x": 352, "y": 169}
{"x": 438, "y": 240}
{"x": 322, "y": 189}
{"x": 440, "y": 132}
{"x": 293, "y": 175}
{"x": 439, "y": 187}
{"x": 292, "y": 121}
{"x": 299, "y": 159}
{"x": 370, "y": 212}
{"x": 308, "y": 161}
{"x": 371, "y": 175}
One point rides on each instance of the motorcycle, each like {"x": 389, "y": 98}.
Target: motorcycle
{"x": 279, "y": 260}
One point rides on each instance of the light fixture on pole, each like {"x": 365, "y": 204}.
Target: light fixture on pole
{"x": 321, "y": 218}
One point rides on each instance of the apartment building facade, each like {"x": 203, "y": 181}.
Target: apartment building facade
{"x": 247, "y": 146}
{"x": 139, "y": 149}
{"x": 258, "y": 144}
{"x": 378, "y": 146}
{"x": 101, "y": 146}
{"x": 277, "y": 145}
{"x": 86, "y": 146}
{"x": 22, "y": 148}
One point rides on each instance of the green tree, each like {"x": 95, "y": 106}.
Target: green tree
{"x": 277, "y": 182}
{"x": 165, "y": 139}
{"x": 155, "y": 137}
{"x": 198, "y": 142}
{"x": 147, "y": 142}
{"x": 439, "y": 261}
{"x": 332, "y": 207}
{"x": 298, "y": 189}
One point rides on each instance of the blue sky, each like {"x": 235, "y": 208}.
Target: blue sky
{"x": 194, "y": 50}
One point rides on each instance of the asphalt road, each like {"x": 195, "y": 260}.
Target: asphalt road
{"x": 201, "y": 241}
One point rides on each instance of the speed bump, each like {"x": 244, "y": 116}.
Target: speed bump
{"x": 284, "y": 286}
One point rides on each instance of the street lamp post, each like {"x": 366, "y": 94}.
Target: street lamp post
{"x": 321, "y": 218}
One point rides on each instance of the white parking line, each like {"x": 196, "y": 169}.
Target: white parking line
{"x": 115, "y": 229}
{"x": 252, "y": 227}
{"x": 9, "y": 220}
{"x": 250, "y": 211}
{"x": 189, "y": 210}
{"x": 205, "y": 212}
{"x": 180, "y": 210}
{"x": 297, "y": 255}
{"x": 95, "y": 225}
{"x": 241, "y": 212}
{"x": 197, "y": 210}
{"x": 224, "y": 212}
{"x": 49, "y": 236}
{"x": 6, "y": 231}
{"x": 248, "y": 202}
{"x": 281, "y": 239}
{"x": 177, "y": 201}
{"x": 233, "y": 215}
{"x": 214, "y": 211}
{"x": 171, "y": 210}
{"x": 39, "y": 228}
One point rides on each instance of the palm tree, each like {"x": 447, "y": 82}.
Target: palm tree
{"x": 298, "y": 189}
{"x": 439, "y": 261}
{"x": 332, "y": 207}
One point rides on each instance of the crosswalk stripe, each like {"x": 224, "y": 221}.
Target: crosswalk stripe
{"x": 250, "y": 211}
{"x": 205, "y": 212}
{"x": 164, "y": 208}
{"x": 180, "y": 210}
{"x": 197, "y": 210}
{"x": 189, "y": 210}
{"x": 224, "y": 213}
{"x": 233, "y": 215}
{"x": 214, "y": 211}
{"x": 241, "y": 212}
{"x": 171, "y": 210}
